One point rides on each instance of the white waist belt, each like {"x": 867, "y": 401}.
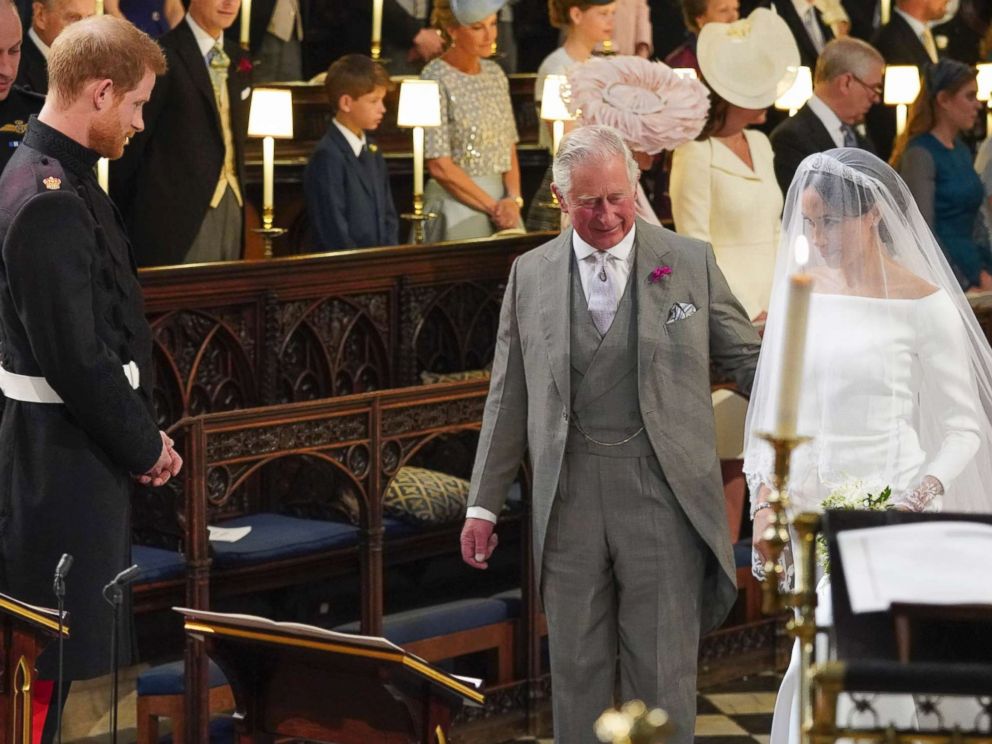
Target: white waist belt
{"x": 37, "y": 390}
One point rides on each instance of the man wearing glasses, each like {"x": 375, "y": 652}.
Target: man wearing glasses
{"x": 846, "y": 84}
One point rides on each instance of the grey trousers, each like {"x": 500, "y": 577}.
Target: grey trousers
{"x": 279, "y": 61}
{"x": 622, "y": 577}
{"x": 219, "y": 238}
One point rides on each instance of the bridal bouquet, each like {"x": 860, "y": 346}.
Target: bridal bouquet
{"x": 852, "y": 494}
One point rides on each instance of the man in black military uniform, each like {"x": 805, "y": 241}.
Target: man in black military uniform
{"x": 75, "y": 348}
{"x": 16, "y": 105}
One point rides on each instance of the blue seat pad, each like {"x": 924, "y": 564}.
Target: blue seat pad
{"x": 274, "y": 536}
{"x": 157, "y": 564}
{"x": 742, "y": 553}
{"x": 438, "y": 620}
{"x": 167, "y": 679}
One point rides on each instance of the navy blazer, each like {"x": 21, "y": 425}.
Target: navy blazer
{"x": 350, "y": 203}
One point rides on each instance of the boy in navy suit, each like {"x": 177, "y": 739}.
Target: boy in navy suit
{"x": 346, "y": 182}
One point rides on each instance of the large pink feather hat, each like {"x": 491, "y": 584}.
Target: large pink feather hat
{"x": 652, "y": 107}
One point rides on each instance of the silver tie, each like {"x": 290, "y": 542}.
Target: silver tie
{"x": 602, "y": 298}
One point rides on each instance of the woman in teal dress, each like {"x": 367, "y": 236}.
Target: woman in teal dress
{"x": 937, "y": 166}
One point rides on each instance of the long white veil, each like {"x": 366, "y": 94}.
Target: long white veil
{"x": 897, "y": 381}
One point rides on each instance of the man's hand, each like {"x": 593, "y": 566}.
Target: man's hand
{"x": 478, "y": 542}
{"x": 169, "y": 464}
{"x": 428, "y": 44}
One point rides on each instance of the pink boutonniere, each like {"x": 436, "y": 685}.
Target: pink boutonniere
{"x": 659, "y": 273}
{"x": 244, "y": 65}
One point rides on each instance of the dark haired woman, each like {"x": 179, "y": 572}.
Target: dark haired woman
{"x": 696, "y": 14}
{"x": 723, "y": 186}
{"x": 937, "y": 166}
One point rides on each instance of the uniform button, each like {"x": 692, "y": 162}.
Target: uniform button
{"x": 44, "y": 161}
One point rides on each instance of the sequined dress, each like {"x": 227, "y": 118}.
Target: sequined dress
{"x": 477, "y": 131}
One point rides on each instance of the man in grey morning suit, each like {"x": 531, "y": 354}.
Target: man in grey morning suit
{"x": 602, "y": 373}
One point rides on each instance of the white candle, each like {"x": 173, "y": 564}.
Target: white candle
{"x": 245, "y": 23}
{"x": 103, "y": 174}
{"x": 557, "y": 132}
{"x": 901, "y": 115}
{"x": 793, "y": 345}
{"x": 418, "y": 161}
{"x": 268, "y": 172}
{"x": 376, "y": 22}
{"x": 99, "y": 7}
{"x": 886, "y": 11}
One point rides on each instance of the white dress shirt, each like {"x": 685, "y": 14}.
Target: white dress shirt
{"x": 42, "y": 46}
{"x": 619, "y": 266}
{"x": 356, "y": 142}
{"x": 835, "y": 127}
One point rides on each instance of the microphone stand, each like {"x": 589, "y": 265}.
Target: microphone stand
{"x": 114, "y": 594}
{"x": 58, "y": 587}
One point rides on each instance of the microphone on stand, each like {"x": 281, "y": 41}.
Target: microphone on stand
{"x": 58, "y": 587}
{"x": 114, "y": 594}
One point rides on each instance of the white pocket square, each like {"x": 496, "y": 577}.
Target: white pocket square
{"x": 680, "y": 311}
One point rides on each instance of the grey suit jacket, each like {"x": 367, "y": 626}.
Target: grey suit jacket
{"x": 528, "y": 405}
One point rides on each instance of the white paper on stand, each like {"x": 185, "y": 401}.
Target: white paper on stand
{"x": 227, "y": 534}
{"x": 937, "y": 563}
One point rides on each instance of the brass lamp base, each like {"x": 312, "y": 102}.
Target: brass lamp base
{"x": 268, "y": 235}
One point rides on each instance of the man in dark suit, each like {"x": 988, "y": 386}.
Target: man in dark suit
{"x": 77, "y": 427}
{"x": 905, "y": 40}
{"x": 180, "y": 183}
{"x": 276, "y": 39}
{"x": 48, "y": 19}
{"x": 846, "y": 84}
{"x": 16, "y": 104}
{"x": 346, "y": 181}
{"x": 806, "y": 24}
{"x": 865, "y": 16}
{"x": 339, "y": 27}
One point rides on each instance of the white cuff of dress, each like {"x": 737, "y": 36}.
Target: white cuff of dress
{"x": 477, "y": 512}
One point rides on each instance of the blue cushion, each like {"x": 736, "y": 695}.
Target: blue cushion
{"x": 274, "y": 536}
{"x": 393, "y": 527}
{"x": 437, "y": 620}
{"x": 167, "y": 679}
{"x": 742, "y": 553}
{"x": 221, "y": 731}
{"x": 157, "y": 564}
{"x": 511, "y": 598}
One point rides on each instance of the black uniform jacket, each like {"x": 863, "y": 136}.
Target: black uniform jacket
{"x": 71, "y": 311}
{"x": 14, "y": 113}
{"x": 32, "y": 73}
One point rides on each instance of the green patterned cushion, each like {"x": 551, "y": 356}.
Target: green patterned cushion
{"x": 425, "y": 497}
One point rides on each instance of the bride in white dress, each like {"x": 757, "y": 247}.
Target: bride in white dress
{"x": 897, "y": 383}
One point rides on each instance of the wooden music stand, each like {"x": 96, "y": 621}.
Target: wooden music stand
{"x": 300, "y": 681}
{"x": 26, "y": 630}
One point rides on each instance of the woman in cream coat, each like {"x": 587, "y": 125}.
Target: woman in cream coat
{"x": 723, "y": 186}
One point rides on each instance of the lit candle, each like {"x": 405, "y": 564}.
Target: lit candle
{"x": 99, "y": 7}
{"x": 557, "y": 132}
{"x": 418, "y": 161}
{"x": 268, "y": 173}
{"x": 376, "y": 22}
{"x": 902, "y": 111}
{"x": 103, "y": 174}
{"x": 885, "y": 11}
{"x": 245, "y": 23}
{"x": 793, "y": 345}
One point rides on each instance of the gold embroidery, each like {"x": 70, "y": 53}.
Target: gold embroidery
{"x": 52, "y": 183}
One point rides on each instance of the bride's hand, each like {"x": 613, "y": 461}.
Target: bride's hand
{"x": 925, "y": 497}
{"x": 763, "y": 519}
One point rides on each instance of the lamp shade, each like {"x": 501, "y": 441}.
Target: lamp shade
{"x": 984, "y": 81}
{"x": 553, "y": 106}
{"x": 902, "y": 84}
{"x": 798, "y": 93}
{"x": 420, "y": 104}
{"x": 271, "y": 113}
{"x": 686, "y": 72}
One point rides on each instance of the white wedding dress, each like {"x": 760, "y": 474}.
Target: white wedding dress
{"x": 868, "y": 362}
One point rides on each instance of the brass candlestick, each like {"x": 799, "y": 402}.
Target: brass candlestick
{"x": 633, "y": 724}
{"x": 418, "y": 217}
{"x": 267, "y": 231}
{"x": 802, "y": 599}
